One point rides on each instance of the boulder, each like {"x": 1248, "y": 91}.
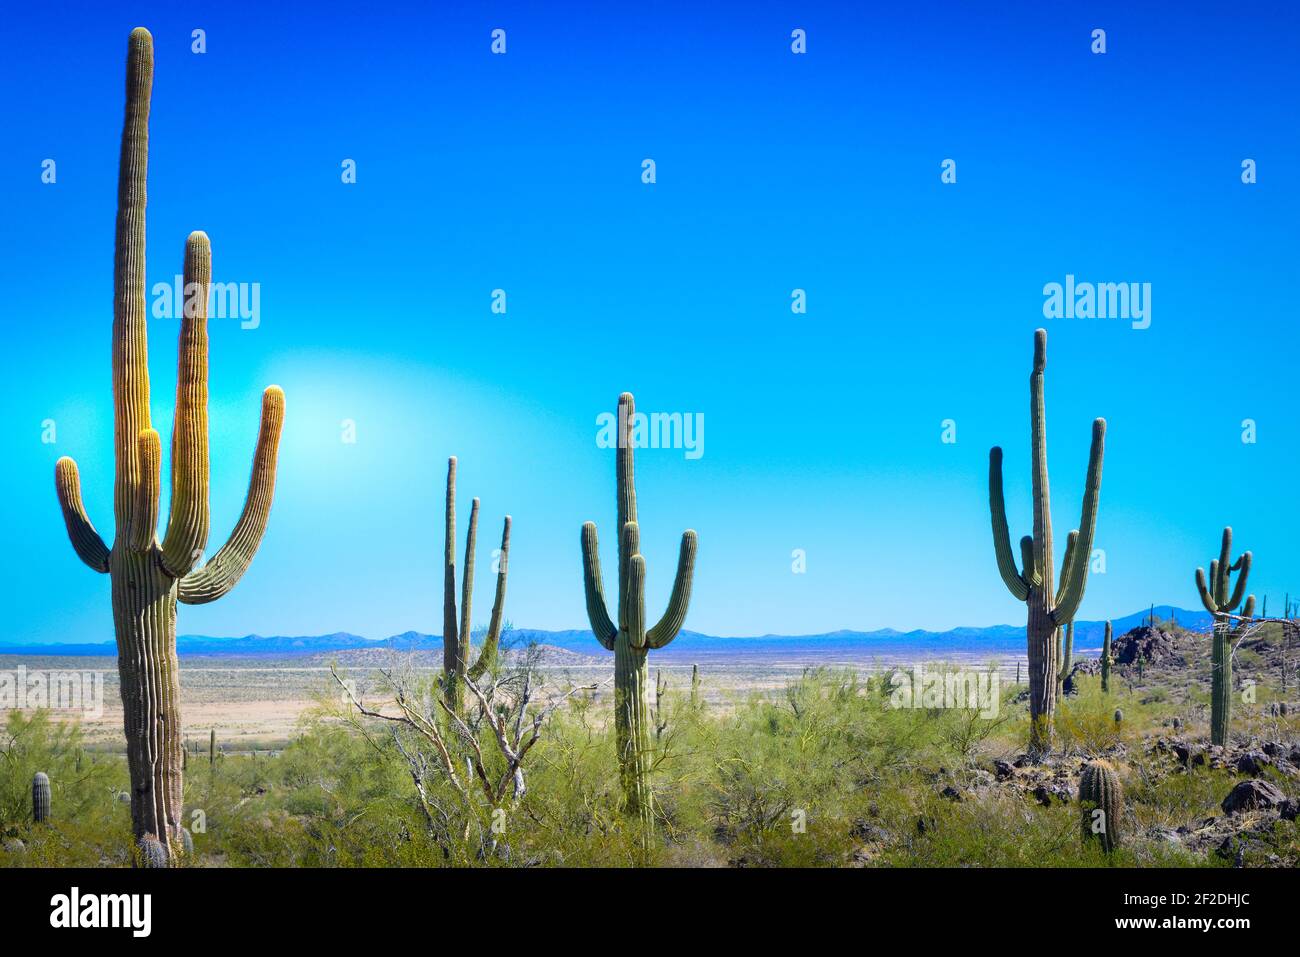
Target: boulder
{"x": 1145, "y": 643}
{"x": 1253, "y": 763}
{"x": 1253, "y": 795}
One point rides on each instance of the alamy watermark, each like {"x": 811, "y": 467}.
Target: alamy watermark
{"x": 80, "y": 691}
{"x": 656, "y": 430}
{"x": 966, "y": 690}
{"x": 1099, "y": 300}
{"x": 226, "y": 300}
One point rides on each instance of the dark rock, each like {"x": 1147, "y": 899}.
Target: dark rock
{"x": 1289, "y": 809}
{"x": 1145, "y": 643}
{"x": 1045, "y": 795}
{"x": 951, "y": 793}
{"x": 868, "y": 833}
{"x": 1004, "y": 770}
{"x": 1252, "y": 795}
{"x": 1253, "y": 763}
{"x": 1273, "y": 749}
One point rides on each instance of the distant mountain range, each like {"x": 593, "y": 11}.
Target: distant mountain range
{"x": 994, "y": 638}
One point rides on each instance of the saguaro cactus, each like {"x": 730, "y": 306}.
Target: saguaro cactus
{"x": 1106, "y": 661}
{"x": 40, "y": 797}
{"x": 630, "y": 640}
{"x": 148, "y": 577}
{"x": 1049, "y": 608}
{"x": 1101, "y": 800}
{"x": 1218, "y": 602}
{"x": 455, "y": 635}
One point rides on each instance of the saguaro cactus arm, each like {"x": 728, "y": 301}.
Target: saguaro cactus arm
{"x": 1015, "y": 581}
{"x": 188, "y": 520}
{"x": 228, "y": 565}
{"x": 680, "y": 598}
{"x": 1239, "y": 591}
{"x": 1202, "y": 589}
{"x": 1068, "y": 567}
{"x": 1075, "y": 580}
{"x": 597, "y": 612}
{"x": 488, "y": 653}
{"x": 636, "y": 634}
{"x": 144, "y": 514}
{"x": 90, "y": 548}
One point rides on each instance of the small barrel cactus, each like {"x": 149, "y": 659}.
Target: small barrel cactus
{"x": 1119, "y": 716}
{"x": 1102, "y": 802}
{"x": 40, "y": 797}
{"x": 150, "y": 853}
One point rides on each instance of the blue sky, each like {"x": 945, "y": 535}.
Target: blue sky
{"x": 775, "y": 171}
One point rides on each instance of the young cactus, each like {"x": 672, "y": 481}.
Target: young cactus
{"x": 40, "y": 797}
{"x": 455, "y": 634}
{"x": 1106, "y": 661}
{"x": 630, "y": 639}
{"x": 1033, "y": 582}
{"x": 695, "y": 687}
{"x": 149, "y": 577}
{"x": 1065, "y": 655}
{"x": 1220, "y": 603}
{"x": 1101, "y": 800}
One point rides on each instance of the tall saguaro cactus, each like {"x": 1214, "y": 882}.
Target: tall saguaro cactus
{"x": 1106, "y": 660}
{"x": 149, "y": 577}
{"x": 1220, "y": 603}
{"x": 1049, "y": 607}
{"x": 455, "y": 635}
{"x": 630, "y": 640}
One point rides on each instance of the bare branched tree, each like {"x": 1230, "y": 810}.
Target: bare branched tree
{"x": 479, "y": 755}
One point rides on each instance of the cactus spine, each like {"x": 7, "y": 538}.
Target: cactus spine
{"x": 630, "y": 639}
{"x": 148, "y": 577}
{"x": 1101, "y": 799}
{"x": 1032, "y": 583}
{"x": 1106, "y": 661}
{"x": 455, "y": 634}
{"x": 1218, "y": 602}
{"x": 40, "y": 797}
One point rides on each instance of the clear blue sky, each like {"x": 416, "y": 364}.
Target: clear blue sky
{"x": 775, "y": 172}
